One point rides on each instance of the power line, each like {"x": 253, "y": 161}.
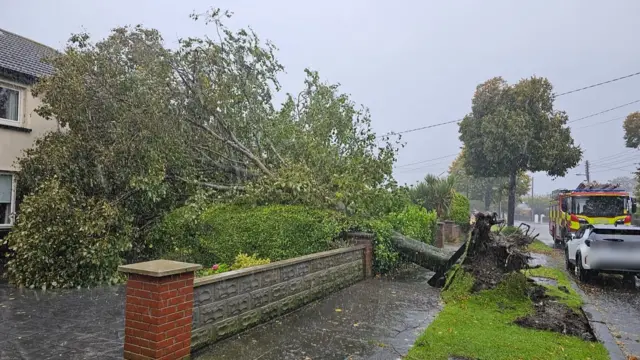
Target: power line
{"x": 617, "y": 156}
{"x": 596, "y": 85}
{"x": 557, "y": 95}
{"x": 624, "y": 168}
{"x": 428, "y": 166}
{"x": 599, "y": 123}
{"x": 424, "y": 161}
{"x": 604, "y": 111}
{"x": 569, "y": 122}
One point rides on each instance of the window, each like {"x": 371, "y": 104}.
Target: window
{"x": 7, "y": 199}
{"x": 599, "y": 205}
{"x": 9, "y": 104}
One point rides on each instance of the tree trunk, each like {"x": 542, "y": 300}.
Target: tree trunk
{"x": 427, "y": 256}
{"x": 488, "y": 197}
{"x": 511, "y": 206}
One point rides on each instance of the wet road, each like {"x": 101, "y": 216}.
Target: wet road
{"x": 373, "y": 319}
{"x": 619, "y": 307}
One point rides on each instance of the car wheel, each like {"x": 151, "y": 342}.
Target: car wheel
{"x": 629, "y": 280}
{"x": 582, "y": 274}
{"x": 568, "y": 263}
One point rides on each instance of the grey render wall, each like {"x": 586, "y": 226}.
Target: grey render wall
{"x": 227, "y": 303}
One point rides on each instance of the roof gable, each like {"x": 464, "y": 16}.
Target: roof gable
{"x": 21, "y": 58}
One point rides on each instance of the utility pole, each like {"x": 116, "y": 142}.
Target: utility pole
{"x": 586, "y": 171}
{"x": 533, "y": 217}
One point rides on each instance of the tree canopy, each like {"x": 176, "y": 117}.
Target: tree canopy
{"x": 515, "y": 128}
{"x": 489, "y": 190}
{"x": 631, "y": 127}
{"x": 147, "y": 126}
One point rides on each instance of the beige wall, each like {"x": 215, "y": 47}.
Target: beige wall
{"x": 13, "y": 141}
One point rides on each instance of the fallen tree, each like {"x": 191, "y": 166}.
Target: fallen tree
{"x": 427, "y": 256}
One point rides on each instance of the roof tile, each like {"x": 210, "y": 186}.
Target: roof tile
{"x": 24, "y": 56}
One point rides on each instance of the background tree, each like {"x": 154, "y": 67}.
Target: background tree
{"x": 434, "y": 193}
{"x": 515, "y": 128}
{"x": 490, "y": 190}
{"x": 626, "y": 182}
{"x": 631, "y": 127}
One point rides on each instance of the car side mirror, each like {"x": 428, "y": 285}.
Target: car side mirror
{"x": 587, "y": 242}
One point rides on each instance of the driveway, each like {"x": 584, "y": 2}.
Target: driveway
{"x": 619, "y": 307}
{"x": 73, "y": 324}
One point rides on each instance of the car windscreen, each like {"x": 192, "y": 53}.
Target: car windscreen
{"x": 598, "y": 205}
{"x": 619, "y": 231}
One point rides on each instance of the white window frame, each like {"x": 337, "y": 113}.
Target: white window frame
{"x": 12, "y": 208}
{"x": 21, "y": 92}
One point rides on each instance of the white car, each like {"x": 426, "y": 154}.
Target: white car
{"x": 604, "y": 249}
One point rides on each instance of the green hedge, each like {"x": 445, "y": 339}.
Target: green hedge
{"x": 217, "y": 234}
{"x": 459, "y": 211}
{"x": 415, "y": 222}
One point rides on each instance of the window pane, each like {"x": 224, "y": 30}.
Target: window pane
{"x": 9, "y": 104}
{"x": 5, "y": 188}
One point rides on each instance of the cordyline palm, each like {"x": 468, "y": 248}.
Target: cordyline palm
{"x": 435, "y": 193}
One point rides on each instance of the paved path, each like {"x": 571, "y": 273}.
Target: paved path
{"x": 378, "y": 319}
{"x": 619, "y": 308}
{"x": 70, "y": 325}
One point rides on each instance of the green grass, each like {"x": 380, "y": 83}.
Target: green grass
{"x": 480, "y": 326}
{"x": 539, "y": 247}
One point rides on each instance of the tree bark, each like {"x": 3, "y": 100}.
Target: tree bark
{"x": 511, "y": 206}
{"x": 488, "y": 197}
{"x": 427, "y": 256}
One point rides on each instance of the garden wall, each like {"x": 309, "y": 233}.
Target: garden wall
{"x": 227, "y": 303}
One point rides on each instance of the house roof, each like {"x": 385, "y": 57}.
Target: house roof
{"x": 21, "y": 58}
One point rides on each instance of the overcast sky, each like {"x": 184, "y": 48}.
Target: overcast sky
{"x": 413, "y": 63}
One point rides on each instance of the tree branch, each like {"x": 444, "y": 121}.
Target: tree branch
{"x": 234, "y": 142}
{"x": 213, "y": 186}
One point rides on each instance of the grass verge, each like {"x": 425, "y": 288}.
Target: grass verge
{"x": 539, "y": 247}
{"x": 480, "y": 326}
{"x": 563, "y": 291}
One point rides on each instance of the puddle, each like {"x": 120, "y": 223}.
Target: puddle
{"x": 544, "y": 281}
{"x": 538, "y": 260}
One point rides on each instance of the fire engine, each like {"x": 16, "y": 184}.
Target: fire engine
{"x": 589, "y": 203}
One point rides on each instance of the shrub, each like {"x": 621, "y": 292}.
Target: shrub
{"x": 245, "y": 261}
{"x": 215, "y": 269}
{"x": 176, "y": 238}
{"x": 459, "y": 210}
{"x": 385, "y": 256}
{"x": 64, "y": 240}
{"x": 415, "y": 222}
{"x": 276, "y": 232}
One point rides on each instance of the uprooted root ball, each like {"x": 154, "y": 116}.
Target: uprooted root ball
{"x": 490, "y": 256}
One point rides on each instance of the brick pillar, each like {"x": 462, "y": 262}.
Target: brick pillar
{"x": 366, "y": 239}
{"x": 455, "y": 237}
{"x": 439, "y": 235}
{"x": 448, "y": 230}
{"x": 368, "y": 256}
{"x": 159, "y": 308}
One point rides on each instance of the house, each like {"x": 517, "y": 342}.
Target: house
{"x": 20, "y": 126}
